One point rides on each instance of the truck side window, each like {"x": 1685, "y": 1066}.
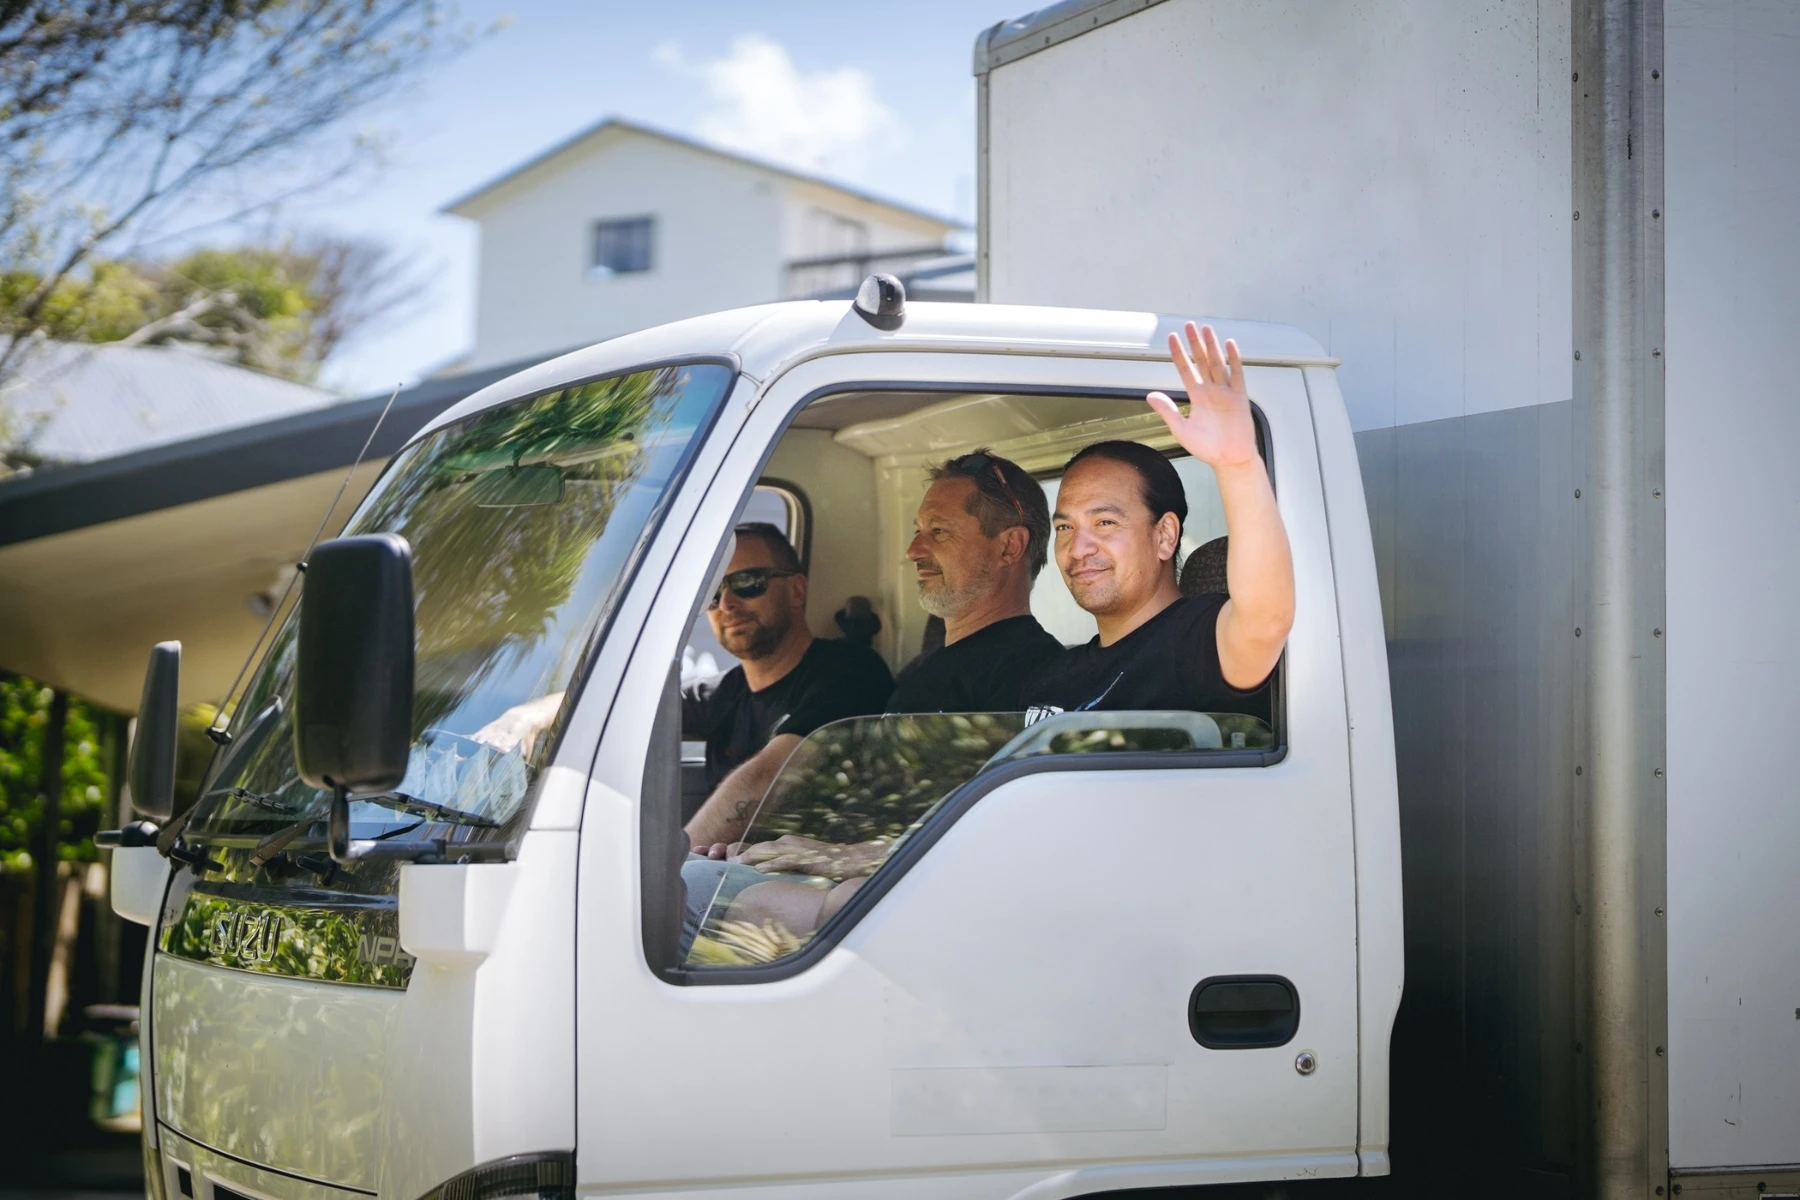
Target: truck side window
{"x": 857, "y": 800}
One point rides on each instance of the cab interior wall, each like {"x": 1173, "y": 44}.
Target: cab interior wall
{"x": 838, "y": 485}
{"x": 859, "y": 458}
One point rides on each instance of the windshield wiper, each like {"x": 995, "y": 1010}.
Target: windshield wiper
{"x": 272, "y": 846}
{"x": 258, "y": 798}
{"x": 429, "y": 809}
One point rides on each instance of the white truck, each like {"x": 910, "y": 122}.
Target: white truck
{"x": 393, "y": 956}
{"x": 1553, "y": 244}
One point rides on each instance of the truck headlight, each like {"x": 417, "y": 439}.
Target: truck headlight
{"x": 545, "y": 1176}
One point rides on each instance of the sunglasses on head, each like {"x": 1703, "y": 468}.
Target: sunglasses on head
{"x": 982, "y": 462}
{"x": 748, "y": 584}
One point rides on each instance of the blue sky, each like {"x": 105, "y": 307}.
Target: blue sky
{"x": 876, "y": 95}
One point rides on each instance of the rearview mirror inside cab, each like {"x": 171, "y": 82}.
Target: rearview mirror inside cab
{"x": 353, "y": 684}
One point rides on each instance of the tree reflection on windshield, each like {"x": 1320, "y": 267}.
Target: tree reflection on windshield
{"x": 510, "y": 579}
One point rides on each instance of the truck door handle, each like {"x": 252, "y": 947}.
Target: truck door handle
{"x": 1243, "y": 1012}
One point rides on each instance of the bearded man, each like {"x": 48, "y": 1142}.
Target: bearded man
{"x": 980, "y": 537}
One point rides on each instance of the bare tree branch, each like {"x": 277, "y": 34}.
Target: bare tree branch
{"x": 116, "y": 113}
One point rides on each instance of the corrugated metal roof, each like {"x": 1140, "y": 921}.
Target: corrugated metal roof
{"x": 82, "y": 403}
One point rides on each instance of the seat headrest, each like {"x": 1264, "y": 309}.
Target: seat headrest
{"x": 1204, "y": 571}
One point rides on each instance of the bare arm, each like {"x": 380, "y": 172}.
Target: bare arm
{"x": 728, "y": 811}
{"x": 1259, "y": 568}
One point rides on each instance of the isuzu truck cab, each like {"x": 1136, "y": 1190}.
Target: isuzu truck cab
{"x": 395, "y": 955}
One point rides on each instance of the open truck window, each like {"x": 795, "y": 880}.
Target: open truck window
{"x": 861, "y": 799}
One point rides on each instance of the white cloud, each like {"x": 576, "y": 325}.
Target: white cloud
{"x": 759, "y": 102}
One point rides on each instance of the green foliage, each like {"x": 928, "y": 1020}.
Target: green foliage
{"x": 24, "y": 716}
{"x": 106, "y": 303}
{"x": 279, "y": 308}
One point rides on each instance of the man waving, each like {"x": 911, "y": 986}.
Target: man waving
{"x": 1117, "y": 528}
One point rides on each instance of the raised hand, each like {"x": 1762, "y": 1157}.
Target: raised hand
{"x": 1218, "y": 429}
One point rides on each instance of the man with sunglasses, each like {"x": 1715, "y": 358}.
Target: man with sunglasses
{"x": 787, "y": 684}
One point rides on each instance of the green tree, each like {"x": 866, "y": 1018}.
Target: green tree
{"x": 24, "y": 712}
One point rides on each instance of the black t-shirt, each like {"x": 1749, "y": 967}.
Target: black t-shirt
{"x": 1170, "y": 662}
{"x": 833, "y": 680}
{"x": 978, "y": 673}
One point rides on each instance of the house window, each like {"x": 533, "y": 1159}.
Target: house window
{"x": 621, "y": 247}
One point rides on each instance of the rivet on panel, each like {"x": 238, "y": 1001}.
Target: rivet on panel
{"x": 1659, "y": 1052}
{"x": 1578, "y": 214}
{"x": 1656, "y": 633}
{"x": 1578, "y": 631}
{"x": 1657, "y": 492}
{"x": 1659, "y": 911}
{"x": 1656, "y": 74}
{"x": 1657, "y": 772}
{"x": 1578, "y": 356}
{"x": 1656, "y": 214}
{"x": 1578, "y": 493}
{"x": 1578, "y": 770}
{"x": 1656, "y": 352}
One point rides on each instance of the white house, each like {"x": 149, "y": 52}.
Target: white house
{"x": 623, "y": 227}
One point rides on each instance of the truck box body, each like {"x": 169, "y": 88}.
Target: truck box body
{"x": 1405, "y": 180}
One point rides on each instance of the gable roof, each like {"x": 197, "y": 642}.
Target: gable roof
{"x": 462, "y": 204}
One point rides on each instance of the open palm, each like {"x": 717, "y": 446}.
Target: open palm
{"x": 1218, "y": 429}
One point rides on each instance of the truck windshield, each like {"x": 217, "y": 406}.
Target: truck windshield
{"x": 525, "y": 522}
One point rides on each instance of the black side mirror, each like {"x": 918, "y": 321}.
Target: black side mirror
{"x": 353, "y": 679}
{"x": 151, "y": 770}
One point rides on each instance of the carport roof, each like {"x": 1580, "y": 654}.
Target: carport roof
{"x": 59, "y": 499}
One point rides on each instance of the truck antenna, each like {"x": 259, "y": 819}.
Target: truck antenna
{"x": 220, "y": 734}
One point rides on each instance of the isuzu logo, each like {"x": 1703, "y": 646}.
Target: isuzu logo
{"x": 246, "y": 935}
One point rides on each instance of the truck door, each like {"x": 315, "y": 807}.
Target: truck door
{"x": 1115, "y": 951}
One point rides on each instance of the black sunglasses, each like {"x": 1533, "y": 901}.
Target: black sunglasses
{"x": 982, "y": 462}
{"x": 748, "y": 584}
